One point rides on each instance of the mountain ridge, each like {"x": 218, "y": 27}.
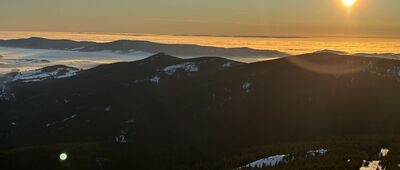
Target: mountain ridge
{"x": 131, "y": 46}
{"x": 185, "y": 101}
{"x": 204, "y": 106}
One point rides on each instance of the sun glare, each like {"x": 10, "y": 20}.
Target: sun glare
{"x": 349, "y": 3}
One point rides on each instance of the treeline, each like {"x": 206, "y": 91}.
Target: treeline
{"x": 343, "y": 153}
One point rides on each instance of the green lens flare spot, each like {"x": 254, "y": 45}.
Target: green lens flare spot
{"x": 63, "y": 156}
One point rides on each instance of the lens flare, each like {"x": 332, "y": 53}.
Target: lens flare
{"x": 63, "y": 156}
{"x": 325, "y": 63}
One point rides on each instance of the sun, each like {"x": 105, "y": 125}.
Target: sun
{"x": 349, "y": 3}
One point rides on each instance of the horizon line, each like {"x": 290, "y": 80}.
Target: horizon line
{"x": 271, "y": 36}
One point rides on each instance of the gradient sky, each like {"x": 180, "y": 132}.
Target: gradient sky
{"x": 211, "y": 17}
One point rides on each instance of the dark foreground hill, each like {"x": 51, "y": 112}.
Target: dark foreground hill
{"x": 198, "y": 107}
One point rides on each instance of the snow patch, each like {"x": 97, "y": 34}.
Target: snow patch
{"x": 121, "y": 139}
{"x": 375, "y": 164}
{"x": 154, "y": 79}
{"x": 372, "y": 165}
{"x": 40, "y": 74}
{"x": 69, "y": 118}
{"x": 384, "y": 152}
{"x": 246, "y": 86}
{"x": 124, "y": 132}
{"x": 51, "y": 124}
{"x": 266, "y": 162}
{"x": 275, "y": 160}
{"x": 188, "y": 67}
{"x": 64, "y": 120}
{"x": 227, "y": 65}
{"x": 320, "y": 152}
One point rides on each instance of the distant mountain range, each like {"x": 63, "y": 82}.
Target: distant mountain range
{"x": 130, "y": 46}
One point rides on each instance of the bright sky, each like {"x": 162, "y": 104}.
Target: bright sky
{"x": 210, "y": 17}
